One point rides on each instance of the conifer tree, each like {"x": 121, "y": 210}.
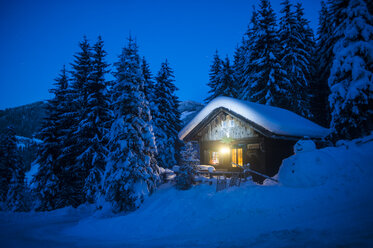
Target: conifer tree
{"x": 351, "y": 77}
{"x": 227, "y": 84}
{"x": 323, "y": 57}
{"x": 13, "y": 191}
{"x": 248, "y": 57}
{"x": 239, "y": 65}
{"x": 214, "y": 82}
{"x": 148, "y": 82}
{"x": 17, "y": 192}
{"x": 167, "y": 118}
{"x": 269, "y": 83}
{"x": 76, "y": 140}
{"x": 149, "y": 94}
{"x": 295, "y": 55}
{"x": 5, "y": 169}
{"x": 188, "y": 166}
{"x": 48, "y": 180}
{"x": 95, "y": 126}
{"x": 130, "y": 174}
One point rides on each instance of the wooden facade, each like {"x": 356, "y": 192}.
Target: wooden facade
{"x": 225, "y": 137}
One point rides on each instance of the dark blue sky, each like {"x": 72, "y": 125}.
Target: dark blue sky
{"x": 38, "y": 37}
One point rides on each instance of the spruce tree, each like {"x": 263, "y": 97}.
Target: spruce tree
{"x": 47, "y": 181}
{"x": 248, "y": 65}
{"x": 148, "y": 83}
{"x": 239, "y": 66}
{"x": 167, "y": 118}
{"x": 351, "y": 77}
{"x": 295, "y": 55}
{"x": 5, "y": 169}
{"x": 321, "y": 69}
{"x": 13, "y": 192}
{"x": 188, "y": 166}
{"x": 17, "y": 200}
{"x": 76, "y": 139}
{"x": 308, "y": 48}
{"x": 130, "y": 174}
{"x": 227, "y": 84}
{"x": 269, "y": 82}
{"x": 149, "y": 94}
{"x": 214, "y": 82}
{"x": 95, "y": 125}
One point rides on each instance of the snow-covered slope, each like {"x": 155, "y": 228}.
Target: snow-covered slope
{"x": 276, "y": 120}
{"x": 323, "y": 200}
{"x": 188, "y": 110}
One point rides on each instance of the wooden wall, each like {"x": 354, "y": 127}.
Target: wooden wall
{"x": 226, "y": 126}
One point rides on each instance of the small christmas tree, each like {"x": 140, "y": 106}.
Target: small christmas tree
{"x": 188, "y": 166}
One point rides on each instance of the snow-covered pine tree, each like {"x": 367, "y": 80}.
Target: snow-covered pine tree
{"x": 130, "y": 174}
{"x": 239, "y": 65}
{"x": 214, "y": 82}
{"x": 14, "y": 176}
{"x": 148, "y": 83}
{"x": 323, "y": 57}
{"x": 295, "y": 57}
{"x": 167, "y": 119}
{"x": 149, "y": 94}
{"x": 227, "y": 84}
{"x": 75, "y": 140}
{"x": 351, "y": 77}
{"x": 188, "y": 166}
{"x": 17, "y": 199}
{"x": 95, "y": 125}
{"x": 248, "y": 66}
{"x": 308, "y": 48}
{"x": 269, "y": 82}
{"x": 47, "y": 182}
{"x": 5, "y": 169}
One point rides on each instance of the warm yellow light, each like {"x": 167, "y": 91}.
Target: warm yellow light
{"x": 224, "y": 150}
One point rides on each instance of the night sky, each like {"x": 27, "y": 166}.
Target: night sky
{"x": 38, "y": 37}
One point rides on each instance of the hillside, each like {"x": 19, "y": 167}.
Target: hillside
{"x": 188, "y": 110}
{"x": 25, "y": 119}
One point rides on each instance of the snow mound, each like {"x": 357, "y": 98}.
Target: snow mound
{"x": 304, "y": 146}
{"x": 331, "y": 165}
{"x": 306, "y": 169}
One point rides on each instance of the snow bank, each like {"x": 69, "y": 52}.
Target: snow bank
{"x": 333, "y": 165}
{"x": 276, "y": 120}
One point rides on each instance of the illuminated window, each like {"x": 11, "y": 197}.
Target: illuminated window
{"x": 237, "y": 157}
{"x": 214, "y": 158}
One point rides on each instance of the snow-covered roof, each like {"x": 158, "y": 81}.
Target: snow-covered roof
{"x": 276, "y": 120}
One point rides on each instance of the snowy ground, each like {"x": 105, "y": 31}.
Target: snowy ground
{"x": 324, "y": 200}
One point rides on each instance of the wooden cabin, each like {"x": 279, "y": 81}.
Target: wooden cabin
{"x": 231, "y": 131}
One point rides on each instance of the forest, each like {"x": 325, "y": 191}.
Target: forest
{"x": 107, "y": 142}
